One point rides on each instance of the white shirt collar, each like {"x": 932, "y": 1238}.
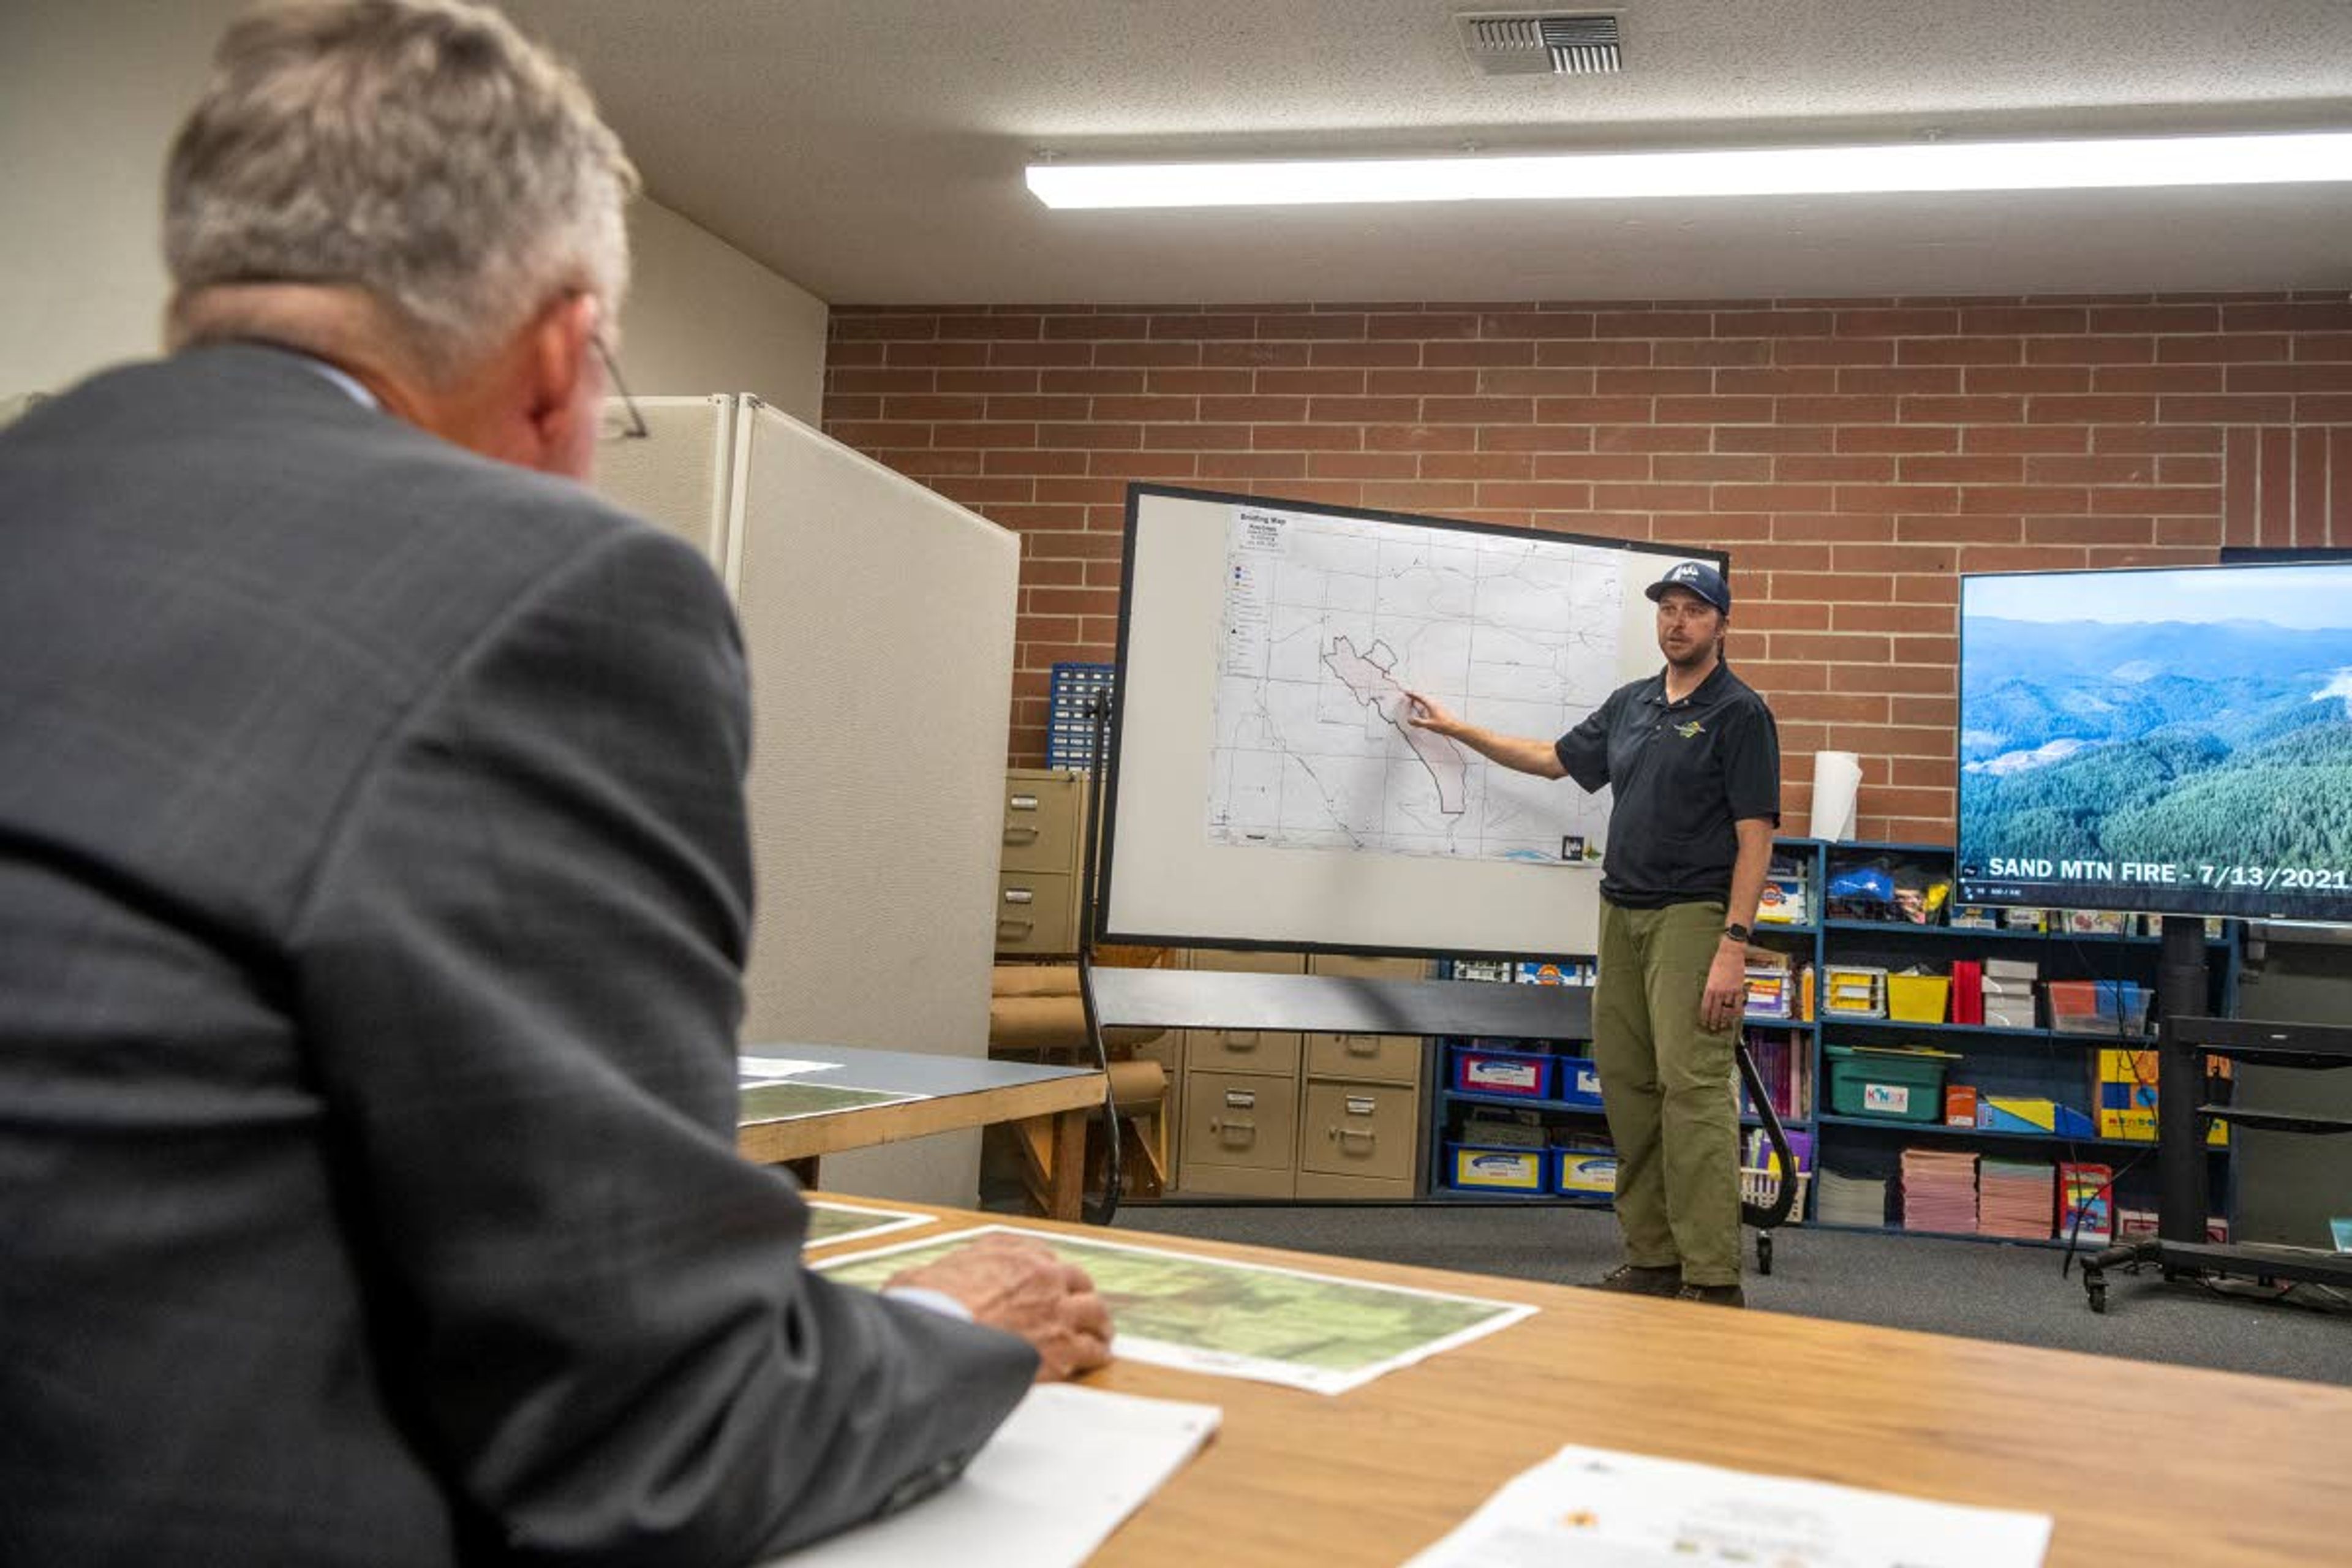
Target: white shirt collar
{"x": 343, "y": 378}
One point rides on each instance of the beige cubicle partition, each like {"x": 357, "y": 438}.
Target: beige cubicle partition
{"x": 878, "y": 620}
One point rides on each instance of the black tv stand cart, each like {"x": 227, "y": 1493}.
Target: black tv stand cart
{"x": 2181, "y": 1249}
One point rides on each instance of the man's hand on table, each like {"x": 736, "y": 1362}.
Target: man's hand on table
{"x": 1013, "y": 1283}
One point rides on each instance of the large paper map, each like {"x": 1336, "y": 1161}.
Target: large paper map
{"x": 1315, "y": 1331}
{"x": 1331, "y": 620}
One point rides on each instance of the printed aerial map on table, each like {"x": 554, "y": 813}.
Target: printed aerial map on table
{"x": 1314, "y": 1331}
{"x": 783, "y": 1099}
{"x": 1330, "y": 621}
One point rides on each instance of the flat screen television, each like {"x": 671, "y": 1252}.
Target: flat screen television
{"x": 2175, "y": 741}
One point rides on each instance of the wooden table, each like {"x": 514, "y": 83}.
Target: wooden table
{"x": 1053, "y": 1103}
{"x": 2138, "y": 1463}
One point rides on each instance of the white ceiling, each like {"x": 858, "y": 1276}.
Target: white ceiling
{"x": 872, "y": 150}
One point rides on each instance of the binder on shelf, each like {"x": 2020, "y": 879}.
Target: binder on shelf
{"x": 1967, "y": 990}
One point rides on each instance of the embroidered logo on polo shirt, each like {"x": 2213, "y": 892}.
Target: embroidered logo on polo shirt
{"x": 1690, "y": 729}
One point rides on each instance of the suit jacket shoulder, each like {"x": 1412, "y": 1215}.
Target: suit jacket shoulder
{"x": 373, "y": 881}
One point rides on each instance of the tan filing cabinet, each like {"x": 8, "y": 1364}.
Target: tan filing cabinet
{"x": 1043, "y": 858}
{"x": 1241, "y": 1135}
{"x": 1238, "y": 1131}
{"x": 1361, "y": 1123}
{"x": 1353, "y": 1127}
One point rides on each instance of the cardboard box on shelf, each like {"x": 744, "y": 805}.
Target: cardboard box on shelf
{"x": 2084, "y": 1195}
{"x": 1786, "y": 900}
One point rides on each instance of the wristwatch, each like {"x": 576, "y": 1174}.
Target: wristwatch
{"x": 1736, "y": 931}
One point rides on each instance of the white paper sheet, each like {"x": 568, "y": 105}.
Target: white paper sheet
{"x": 830, "y": 1223}
{"x": 1066, "y": 1469}
{"x": 765, "y": 1067}
{"x": 1589, "y": 1507}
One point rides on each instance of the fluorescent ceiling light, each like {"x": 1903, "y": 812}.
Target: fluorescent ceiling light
{"x": 2247, "y": 160}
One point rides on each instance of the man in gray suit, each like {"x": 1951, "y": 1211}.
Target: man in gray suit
{"x": 373, "y": 892}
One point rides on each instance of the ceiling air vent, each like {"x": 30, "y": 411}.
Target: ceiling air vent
{"x": 1534, "y": 44}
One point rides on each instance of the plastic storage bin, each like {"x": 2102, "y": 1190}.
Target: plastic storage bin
{"x": 1479, "y": 1069}
{"x": 1576, "y": 1081}
{"x": 1477, "y": 1168}
{"x": 2098, "y": 1008}
{"x": 1898, "y": 1086}
{"x": 1584, "y": 1173}
{"x": 1852, "y": 991}
{"x": 1917, "y": 998}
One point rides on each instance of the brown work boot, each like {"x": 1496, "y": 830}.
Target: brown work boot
{"x": 1714, "y": 1295}
{"x": 1633, "y": 1279}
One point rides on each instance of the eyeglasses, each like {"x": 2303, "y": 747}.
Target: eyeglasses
{"x": 624, "y": 423}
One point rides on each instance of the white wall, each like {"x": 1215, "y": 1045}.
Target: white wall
{"x": 90, "y": 92}
{"x": 704, "y": 317}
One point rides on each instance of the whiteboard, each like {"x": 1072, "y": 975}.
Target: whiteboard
{"x": 1259, "y": 794}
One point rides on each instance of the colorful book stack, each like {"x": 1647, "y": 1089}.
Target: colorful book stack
{"x": 2016, "y": 1198}
{"x": 1786, "y": 1068}
{"x": 1940, "y": 1190}
{"x": 1850, "y": 1200}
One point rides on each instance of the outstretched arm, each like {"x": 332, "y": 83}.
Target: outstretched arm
{"x": 1518, "y": 752}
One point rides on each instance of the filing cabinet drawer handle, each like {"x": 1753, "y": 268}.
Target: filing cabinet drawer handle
{"x": 1240, "y": 1039}
{"x": 1234, "y": 1133}
{"x": 1019, "y": 896}
{"x": 1361, "y": 1045}
{"x": 1343, "y": 1134}
{"x": 1020, "y": 833}
{"x": 1009, "y": 928}
{"x": 1021, "y": 802}
{"x": 1363, "y": 1105}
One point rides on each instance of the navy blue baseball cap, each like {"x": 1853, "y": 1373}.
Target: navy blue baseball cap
{"x": 1699, "y": 578}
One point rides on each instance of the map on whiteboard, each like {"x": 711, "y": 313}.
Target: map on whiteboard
{"x": 1328, "y": 621}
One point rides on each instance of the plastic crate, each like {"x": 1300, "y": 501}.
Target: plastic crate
{"x": 1069, "y": 723}
{"x": 1479, "y": 1070}
{"x": 1763, "y": 1189}
{"x": 2116, "y": 1007}
{"x": 1480, "y": 1168}
{"x": 1584, "y": 1173}
{"x": 1575, "y": 1080}
{"x": 1898, "y": 1086}
{"x": 1852, "y": 991}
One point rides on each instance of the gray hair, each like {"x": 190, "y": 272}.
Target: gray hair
{"x": 423, "y": 152}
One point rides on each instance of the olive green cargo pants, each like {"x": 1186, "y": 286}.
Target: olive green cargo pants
{"x": 1665, "y": 1083}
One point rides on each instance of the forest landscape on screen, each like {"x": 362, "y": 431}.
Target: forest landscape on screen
{"x": 2175, "y": 741}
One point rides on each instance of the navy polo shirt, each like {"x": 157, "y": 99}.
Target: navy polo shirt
{"x": 1683, "y": 772}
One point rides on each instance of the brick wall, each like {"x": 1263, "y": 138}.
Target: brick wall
{"x": 1853, "y": 456}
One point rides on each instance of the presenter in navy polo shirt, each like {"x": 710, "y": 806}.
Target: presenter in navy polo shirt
{"x": 1694, "y": 760}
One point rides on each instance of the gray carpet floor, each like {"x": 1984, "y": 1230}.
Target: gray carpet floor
{"x": 1977, "y": 1290}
